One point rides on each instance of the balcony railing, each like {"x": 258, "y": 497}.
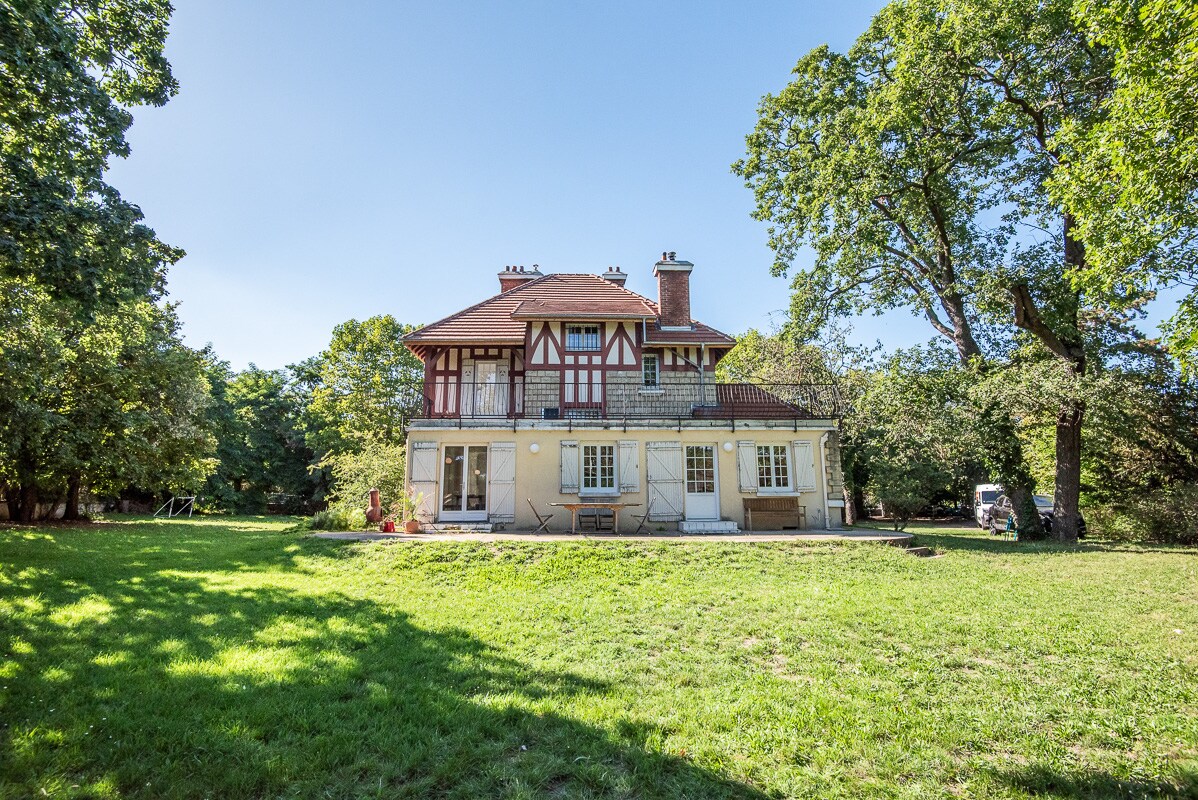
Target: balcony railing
{"x": 611, "y": 400}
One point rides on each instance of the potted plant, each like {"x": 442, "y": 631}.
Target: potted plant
{"x": 406, "y": 508}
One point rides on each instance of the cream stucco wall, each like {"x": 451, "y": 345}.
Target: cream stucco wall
{"x": 538, "y": 475}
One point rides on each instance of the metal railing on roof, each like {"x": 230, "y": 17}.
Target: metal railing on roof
{"x": 671, "y": 398}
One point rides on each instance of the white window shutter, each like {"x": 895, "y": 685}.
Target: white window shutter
{"x": 746, "y": 466}
{"x": 502, "y": 489}
{"x": 569, "y": 468}
{"x": 804, "y": 468}
{"x": 663, "y": 471}
{"x": 422, "y": 477}
{"x": 630, "y": 475}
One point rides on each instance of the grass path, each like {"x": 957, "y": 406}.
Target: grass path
{"x": 232, "y": 658}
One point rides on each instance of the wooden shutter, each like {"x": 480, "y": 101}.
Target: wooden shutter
{"x": 423, "y": 466}
{"x": 630, "y": 475}
{"x": 502, "y": 488}
{"x": 746, "y": 466}
{"x": 663, "y": 469}
{"x": 569, "y": 468}
{"x": 804, "y": 467}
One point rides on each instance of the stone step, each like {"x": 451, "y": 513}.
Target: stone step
{"x": 457, "y": 527}
{"x": 707, "y": 526}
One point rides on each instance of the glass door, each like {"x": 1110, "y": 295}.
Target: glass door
{"x": 702, "y": 499}
{"x": 464, "y": 483}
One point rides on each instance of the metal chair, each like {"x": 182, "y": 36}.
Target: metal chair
{"x": 544, "y": 521}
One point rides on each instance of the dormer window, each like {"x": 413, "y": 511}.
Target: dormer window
{"x": 582, "y": 337}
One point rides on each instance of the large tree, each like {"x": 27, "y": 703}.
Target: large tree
{"x": 889, "y": 184}
{"x": 975, "y": 94}
{"x": 364, "y": 384}
{"x": 104, "y": 404}
{"x": 1131, "y": 179}
{"x": 69, "y": 71}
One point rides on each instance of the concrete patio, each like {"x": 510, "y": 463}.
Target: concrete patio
{"x": 900, "y": 539}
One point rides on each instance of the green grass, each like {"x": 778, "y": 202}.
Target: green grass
{"x": 232, "y": 658}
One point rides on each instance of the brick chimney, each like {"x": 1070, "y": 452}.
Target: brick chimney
{"x": 673, "y": 292}
{"x": 511, "y": 277}
{"x": 614, "y": 275}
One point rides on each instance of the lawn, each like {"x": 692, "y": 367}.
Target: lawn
{"x": 235, "y": 658}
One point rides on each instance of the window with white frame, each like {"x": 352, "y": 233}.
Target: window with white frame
{"x": 598, "y": 469}
{"x": 773, "y": 467}
{"x": 650, "y": 371}
{"x": 582, "y": 337}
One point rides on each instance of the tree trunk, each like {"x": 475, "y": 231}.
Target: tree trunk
{"x": 1027, "y": 518}
{"x": 850, "y": 507}
{"x": 72, "y": 510}
{"x": 1069, "y": 419}
{"x": 1069, "y": 470}
{"x": 52, "y": 506}
{"x": 1065, "y": 342}
{"x": 27, "y": 502}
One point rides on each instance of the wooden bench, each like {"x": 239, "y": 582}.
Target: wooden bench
{"x": 774, "y": 513}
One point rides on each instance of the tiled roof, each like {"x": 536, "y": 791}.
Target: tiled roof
{"x": 702, "y": 334}
{"x": 632, "y": 308}
{"x": 492, "y": 322}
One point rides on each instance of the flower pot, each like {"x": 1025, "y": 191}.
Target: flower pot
{"x": 411, "y": 526}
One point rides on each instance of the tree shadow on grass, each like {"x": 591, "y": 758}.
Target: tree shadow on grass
{"x": 126, "y": 681}
{"x": 1040, "y": 781}
{"x": 965, "y": 538}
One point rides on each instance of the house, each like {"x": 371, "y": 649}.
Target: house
{"x": 568, "y": 386}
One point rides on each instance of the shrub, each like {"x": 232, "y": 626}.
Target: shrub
{"x": 339, "y": 519}
{"x": 371, "y": 464}
{"x": 1168, "y": 515}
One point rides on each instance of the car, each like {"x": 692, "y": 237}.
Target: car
{"x": 1001, "y": 511}
{"x": 984, "y": 495}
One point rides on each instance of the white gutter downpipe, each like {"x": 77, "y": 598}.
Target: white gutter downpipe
{"x": 823, "y": 465}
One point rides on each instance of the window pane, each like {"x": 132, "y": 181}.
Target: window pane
{"x": 451, "y": 482}
{"x": 476, "y": 479}
{"x": 582, "y": 337}
{"x": 700, "y": 469}
{"x": 649, "y": 370}
{"x": 598, "y": 466}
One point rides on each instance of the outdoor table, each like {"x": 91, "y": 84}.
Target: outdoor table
{"x": 614, "y": 507}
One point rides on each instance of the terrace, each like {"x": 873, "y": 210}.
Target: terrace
{"x": 608, "y": 400}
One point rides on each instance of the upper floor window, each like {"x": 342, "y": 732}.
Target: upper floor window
{"x": 773, "y": 467}
{"x": 598, "y": 468}
{"x": 650, "y": 370}
{"x": 582, "y": 337}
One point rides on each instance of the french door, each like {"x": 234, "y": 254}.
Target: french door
{"x": 464, "y": 483}
{"x": 702, "y": 486}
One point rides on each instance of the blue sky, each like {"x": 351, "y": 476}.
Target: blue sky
{"x": 393, "y": 157}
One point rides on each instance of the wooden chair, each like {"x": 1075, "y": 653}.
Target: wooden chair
{"x": 643, "y": 519}
{"x": 544, "y": 521}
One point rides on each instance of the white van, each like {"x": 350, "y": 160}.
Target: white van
{"x": 984, "y": 495}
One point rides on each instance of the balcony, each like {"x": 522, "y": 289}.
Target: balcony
{"x": 610, "y": 400}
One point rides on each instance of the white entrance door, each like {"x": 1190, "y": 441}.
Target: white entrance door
{"x": 464, "y": 483}
{"x": 702, "y": 497}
